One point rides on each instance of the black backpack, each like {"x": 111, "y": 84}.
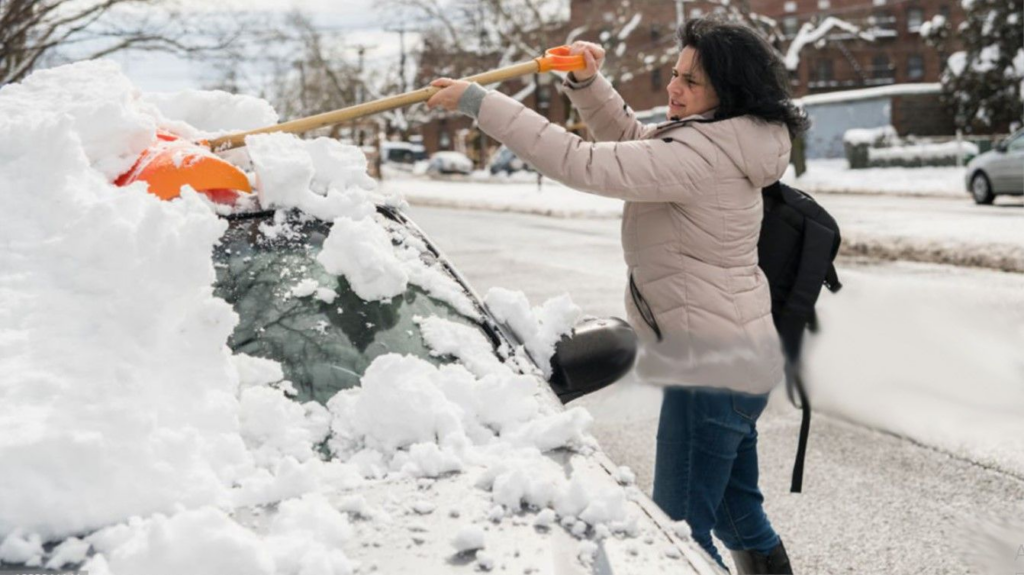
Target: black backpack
{"x": 798, "y": 243}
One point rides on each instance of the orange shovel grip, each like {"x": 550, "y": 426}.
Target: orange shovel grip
{"x": 558, "y": 58}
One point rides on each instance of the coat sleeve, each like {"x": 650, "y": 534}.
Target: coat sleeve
{"x": 603, "y": 110}
{"x": 674, "y": 169}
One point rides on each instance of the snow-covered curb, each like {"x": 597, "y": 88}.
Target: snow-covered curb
{"x": 997, "y": 256}
{"x": 834, "y": 177}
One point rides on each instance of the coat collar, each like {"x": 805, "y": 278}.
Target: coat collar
{"x": 677, "y": 122}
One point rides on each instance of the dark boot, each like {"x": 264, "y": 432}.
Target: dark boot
{"x": 774, "y": 563}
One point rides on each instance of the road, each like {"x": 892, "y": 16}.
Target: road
{"x": 901, "y": 471}
{"x": 922, "y": 229}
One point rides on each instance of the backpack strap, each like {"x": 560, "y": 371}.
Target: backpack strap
{"x": 815, "y": 268}
{"x": 832, "y": 279}
{"x": 794, "y": 380}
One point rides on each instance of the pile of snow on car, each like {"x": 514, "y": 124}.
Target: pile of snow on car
{"x": 132, "y": 435}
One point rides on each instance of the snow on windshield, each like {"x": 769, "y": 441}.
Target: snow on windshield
{"x": 130, "y": 432}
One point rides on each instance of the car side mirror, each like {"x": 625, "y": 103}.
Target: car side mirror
{"x": 597, "y": 353}
{"x": 1001, "y": 147}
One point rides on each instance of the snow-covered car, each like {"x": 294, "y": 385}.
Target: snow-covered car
{"x": 326, "y": 338}
{"x": 506, "y": 161}
{"x": 450, "y": 163}
{"x": 431, "y": 515}
{"x": 298, "y": 383}
{"x": 999, "y": 171}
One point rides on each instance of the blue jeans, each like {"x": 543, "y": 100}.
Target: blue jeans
{"x": 706, "y": 467}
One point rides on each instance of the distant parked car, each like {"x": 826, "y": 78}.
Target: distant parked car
{"x": 999, "y": 171}
{"x": 402, "y": 152}
{"x": 506, "y": 161}
{"x": 450, "y": 163}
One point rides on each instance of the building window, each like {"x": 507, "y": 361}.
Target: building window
{"x": 915, "y": 17}
{"x": 790, "y": 25}
{"x": 790, "y": 6}
{"x": 656, "y": 80}
{"x": 655, "y": 34}
{"x": 881, "y": 68}
{"x": 824, "y": 4}
{"x": 823, "y": 71}
{"x": 883, "y": 19}
{"x": 915, "y": 67}
{"x": 696, "y": 13}
{"x": 944, "y": 11}
{"x": 878, "y": 2}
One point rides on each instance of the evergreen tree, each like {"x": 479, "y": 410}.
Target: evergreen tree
{"x": 983, "y": 82}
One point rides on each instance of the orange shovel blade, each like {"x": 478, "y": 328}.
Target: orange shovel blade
{"x": 172, "y": 163}
{"x": 558, "y": 58}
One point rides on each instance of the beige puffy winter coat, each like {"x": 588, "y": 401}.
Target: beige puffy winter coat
{"x": 690, "y": 226}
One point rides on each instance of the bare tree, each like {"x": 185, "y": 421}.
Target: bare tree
{"x": 305, "y": 69}
{"x": 466, "y": 36}
{"x": 33, "y": 32}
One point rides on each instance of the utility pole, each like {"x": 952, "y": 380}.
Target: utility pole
{"x": 401, "y": 30}
{"x": 359, "y": 95}
{"x": 361, "y": 52}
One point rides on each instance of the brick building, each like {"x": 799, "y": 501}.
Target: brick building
{"x": 642, "y": 53}
{"x": 898, "y": 54}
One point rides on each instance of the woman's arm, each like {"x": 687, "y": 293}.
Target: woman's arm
{"x": 604, "y": 111}
{"x": 655, "y": 170}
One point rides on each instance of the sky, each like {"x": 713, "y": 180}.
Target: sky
{"x": 356, "y": 21}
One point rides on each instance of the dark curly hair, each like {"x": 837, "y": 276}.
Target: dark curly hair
{"x": 745, "y": 71}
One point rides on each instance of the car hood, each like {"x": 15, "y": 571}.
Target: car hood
{"x": 397, "y": 536}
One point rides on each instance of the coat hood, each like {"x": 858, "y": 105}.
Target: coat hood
{"x": 759, "y": 149}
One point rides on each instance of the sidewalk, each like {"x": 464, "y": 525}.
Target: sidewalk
{"x": 833, "y": 177}
{"x": 931, "y": 230}
{"x": 912, "y": 227}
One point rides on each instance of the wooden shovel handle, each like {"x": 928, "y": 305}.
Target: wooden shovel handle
{"x": 369, "y": 108}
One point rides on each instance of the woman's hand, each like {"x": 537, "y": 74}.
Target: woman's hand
{"x": 593, "y": 55}
{"x": 448, "y": 97}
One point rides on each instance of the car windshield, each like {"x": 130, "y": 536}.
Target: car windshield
{"x": 324, "y": 342}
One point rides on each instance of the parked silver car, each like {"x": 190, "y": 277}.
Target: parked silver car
{"x": 999, "y": 171}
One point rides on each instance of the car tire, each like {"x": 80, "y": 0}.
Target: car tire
{"x": 981, "y": 189}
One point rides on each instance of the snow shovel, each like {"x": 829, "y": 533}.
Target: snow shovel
{"x": 173, "y": 162}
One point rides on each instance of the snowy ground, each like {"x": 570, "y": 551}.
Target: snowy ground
{"x": 501, "y": 195}
{"x": 521, "y": 192}
{"x": 834, "y": 176}
{"x": 916, "y": 386}
{"x": 922, "y": 229}
{"x": 931, "y": 230}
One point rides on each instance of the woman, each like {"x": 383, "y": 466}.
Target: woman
{"x": 692, "y": 215}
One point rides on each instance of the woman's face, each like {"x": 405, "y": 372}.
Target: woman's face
{"x": 689, "y": 91}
